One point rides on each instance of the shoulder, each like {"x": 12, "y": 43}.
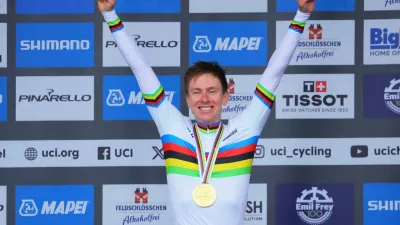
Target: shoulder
{"x": 238, "y": 129}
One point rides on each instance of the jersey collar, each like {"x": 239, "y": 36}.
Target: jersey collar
{"x": 210, "y": 128}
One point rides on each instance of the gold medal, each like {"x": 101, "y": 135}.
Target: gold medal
{"x": 204, "y": 195}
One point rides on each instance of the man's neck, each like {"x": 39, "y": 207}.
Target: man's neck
{"x": 208, "y": 127}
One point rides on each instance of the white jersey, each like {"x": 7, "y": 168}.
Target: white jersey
{"x": 231, "y": 173}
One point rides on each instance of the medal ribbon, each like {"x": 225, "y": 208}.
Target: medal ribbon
{"x": 206, "y": 170}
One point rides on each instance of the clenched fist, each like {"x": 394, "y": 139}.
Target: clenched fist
{"x": 306, "y": 6}
{"x": 106, "y": 5}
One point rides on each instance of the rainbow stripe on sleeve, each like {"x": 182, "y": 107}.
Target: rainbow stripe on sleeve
{"x": 115, "y": 25}
{"x": 265, "y": 96}
{"x": 297, "y": 26}
{"x": 155, "y": 99}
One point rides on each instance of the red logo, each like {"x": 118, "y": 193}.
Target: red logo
{"x": 315, "y": 32}
{"x": 320, "y": 86}
{"x": 231, "y": 86}
{"x": 141, "y": 196}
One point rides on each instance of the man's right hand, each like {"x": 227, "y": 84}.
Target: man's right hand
{"x": 106, "y": 5}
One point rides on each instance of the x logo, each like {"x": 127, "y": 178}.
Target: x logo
{"x": 159, "y": 152}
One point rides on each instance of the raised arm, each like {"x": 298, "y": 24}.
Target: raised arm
{"x": 161, "y": 110}
{"x": 257, "y": 112}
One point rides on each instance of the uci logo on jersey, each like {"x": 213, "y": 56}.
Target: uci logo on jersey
{"x": 230, "y": 43}
{"x": 54, "y": 45}
{"x": 69, "y": 204}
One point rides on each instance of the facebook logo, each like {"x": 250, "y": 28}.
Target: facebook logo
{"x": 3, "y": 98}
{"x": 104, "y": 153}
{"x": 54, "y": 7}
{"x": 123, "y": 99}
{"x": 321, "y": 5}
{"x": 148, "y": 6}
{"x": 54, "y": 45}
{"x": 229, "y": 43}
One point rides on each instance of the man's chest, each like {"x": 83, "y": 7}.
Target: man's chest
{"x": 234, "y": 144}
{"x": 208, "y": 139}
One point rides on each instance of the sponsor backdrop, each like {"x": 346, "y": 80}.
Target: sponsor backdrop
{"x": 77, "y": 144}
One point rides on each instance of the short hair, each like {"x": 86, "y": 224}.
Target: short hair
{"x": 202, "y": 67}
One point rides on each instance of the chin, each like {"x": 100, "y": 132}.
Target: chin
{"x": 209, "y": 117}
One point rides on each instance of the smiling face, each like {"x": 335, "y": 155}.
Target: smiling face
{"x": 205, "y": 98}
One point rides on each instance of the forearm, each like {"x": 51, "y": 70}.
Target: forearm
{"x": 284, "y": 53}
{"x": 145, "y": 75}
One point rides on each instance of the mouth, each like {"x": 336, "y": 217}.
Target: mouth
{"x": 205, "y": 108}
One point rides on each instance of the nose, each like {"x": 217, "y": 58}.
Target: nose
{"x": 204, "y": 97}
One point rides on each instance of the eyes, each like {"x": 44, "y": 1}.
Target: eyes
{"x": 210, "y": 91}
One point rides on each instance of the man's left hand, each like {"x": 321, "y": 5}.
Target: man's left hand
{"x": 306, "y": 6}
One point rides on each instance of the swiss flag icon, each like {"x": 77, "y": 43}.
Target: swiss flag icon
{"x": 320, "y": 86}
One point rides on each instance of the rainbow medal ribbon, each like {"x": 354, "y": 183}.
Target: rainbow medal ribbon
{"x": 204, "y": 195}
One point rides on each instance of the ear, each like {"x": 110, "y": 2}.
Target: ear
{"x": 225, "y": 98}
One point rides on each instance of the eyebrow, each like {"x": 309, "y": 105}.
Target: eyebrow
{"x": 198, "y": 89}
